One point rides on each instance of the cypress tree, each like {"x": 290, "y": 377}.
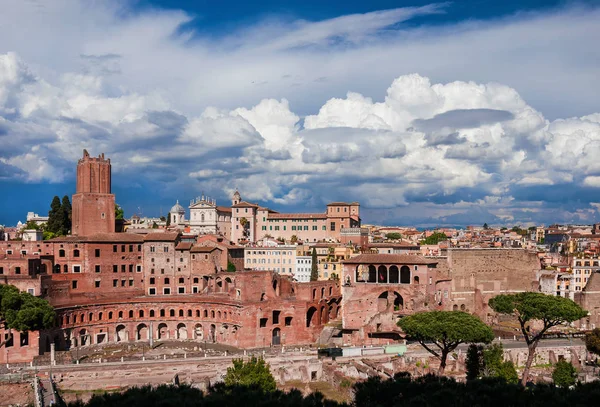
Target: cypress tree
{"x": 314, "y": 270}
{"x": 54, "y": 223}
{"x": 66, "y": 213}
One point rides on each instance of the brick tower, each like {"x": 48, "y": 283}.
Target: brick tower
{"x": 93, "y": 204}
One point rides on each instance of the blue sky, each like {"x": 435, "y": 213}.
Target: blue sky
{"x": 427, "y": 113}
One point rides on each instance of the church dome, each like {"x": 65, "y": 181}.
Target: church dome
{"x": 177, "y": 208}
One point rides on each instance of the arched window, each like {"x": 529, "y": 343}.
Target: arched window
{"x": 162, "y": 312}
{"x": 197, "y": 313}
{"x": 61, "y": 253}
{"x": 189, "y": 313}
{"x": 205, "y": 314}
{"x": 76, "y": 253}
{"x": 212, "y": 314}
{"x": 131, "y": 314}
{"x": 151, "y": 313}
{"x": 180, "y": 312}
{"x": 91, "y": 317}
{"x": 416, "y": 280}
{"x": 141, "y": 313}
{"x": 202, "y": 218}
{"x": 100, "y": 315}
{"x": 172, "y": 313}
{"x": 110, "y": 315}
{"x": 404, "y": 275}
{"x": 394, "y": 275}
{"x": 120, "y": 314}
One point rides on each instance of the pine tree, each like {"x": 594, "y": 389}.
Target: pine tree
{"x": 314, "y": 270}
{"x": 54, "y": 223}
{"x": 66, "y": 213}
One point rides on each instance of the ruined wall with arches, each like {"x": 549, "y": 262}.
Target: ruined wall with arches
{"x": 379, "y": 289}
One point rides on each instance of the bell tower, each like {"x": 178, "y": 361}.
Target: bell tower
{"x": 93, "y": 203}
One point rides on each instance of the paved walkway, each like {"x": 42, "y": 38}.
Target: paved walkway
{"x": 47, "y": 393}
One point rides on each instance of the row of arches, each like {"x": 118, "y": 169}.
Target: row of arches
{"x": 89, "y": 317}
{"x": 384, "y": 275}
{"x": 204, "y": 332}
{"x": 323, "y": 313}
{"x": 323, "y": 292}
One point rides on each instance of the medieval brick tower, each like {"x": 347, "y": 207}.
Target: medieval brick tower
{"x": 93, "y": 204}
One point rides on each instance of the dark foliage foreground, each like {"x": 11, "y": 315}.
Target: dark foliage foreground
{"x": 400, "y": 391}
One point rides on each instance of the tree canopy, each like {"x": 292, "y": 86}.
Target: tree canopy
{"x": 119, "y": 212}
{"x": 530, "y": 306}
{"x": 447, "y": 330}
{"x": 564, "y": 374}
{"x": 22, "y": 311}
{"x": 59, "y": 217}
{"x": 592, "y": 341}
{"x": 435, "y": 238}
{"x": 255, "y": 372}
{"x": 314, "y": 268}
{"x": 393, "y": 236}
{"x": 399, "y": 391}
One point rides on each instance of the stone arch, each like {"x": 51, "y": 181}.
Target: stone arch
{"x": 405, "y": 275}
{"x": 142, "y": 332}
{"x": 382, "y": 302}
{"x": 310, "y": 316}
{"x": 182, "y": 331}
{"x": 372, "y": 274}
{"x": 394, "y": 275}
{"x": 219, "y": 285}
{"x": 398, "y": 302}
{"x": 276, "y": 337}
{"x": 120, "y": 333}
{"x": 455, "y": 307}
{"x": 382, "y": 274}
{"x": 462, "y": 307}
{"x": 212, "y": 333}
{"x": 162, "y": 331}
{"x": 323, "y": 315}
{"x": 198, "y": 332}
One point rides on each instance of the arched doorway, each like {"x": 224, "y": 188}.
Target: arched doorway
{"x": 382, "y": 276}
{"x": 394, "y": 275}
{"x": 310, "y": 315}
{"x": 382, "y": 302}
{"x": 182, "y": 331}
{"x": 398, "y": 302}
{"x": 212, "y": 333}
{"x": 276, "y": 337}
{"x": 121, "y": 333}
{"x": 198, "y": 332}
{"x": 163, "y": 331}
{"x": 404, "y": 275}
{"x": 372, "y": 274}
{"x": 142, "y": 332}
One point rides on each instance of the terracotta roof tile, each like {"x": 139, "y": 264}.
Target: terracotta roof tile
{"x": 204, "y": 249}
{"x": 161, "y": 237}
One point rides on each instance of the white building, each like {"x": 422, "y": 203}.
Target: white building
{"x": 206, "y": 217}
{"x": 177, "y": 214}
{"x": 34, "y": 217}
{"x": 280, "y": 259}
{"x": 32, "y": 235}
{"x": 303, "y": 269}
